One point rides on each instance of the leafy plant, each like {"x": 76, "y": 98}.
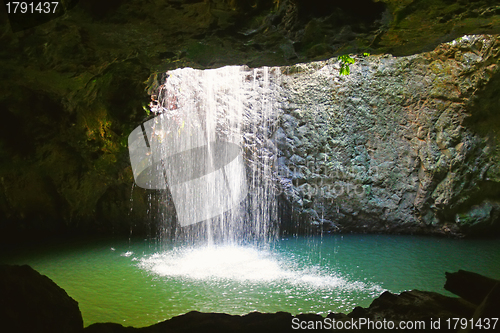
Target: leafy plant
{"x": 345, "y": 62}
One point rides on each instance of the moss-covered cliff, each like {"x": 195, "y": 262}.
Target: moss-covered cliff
{"x": 72, "y": 89}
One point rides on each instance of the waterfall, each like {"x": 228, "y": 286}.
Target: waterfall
{"x": 209, "y": 156}
{"x": 208, "y": 148}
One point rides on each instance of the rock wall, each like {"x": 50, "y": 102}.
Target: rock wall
{"x": 403, "y": 144}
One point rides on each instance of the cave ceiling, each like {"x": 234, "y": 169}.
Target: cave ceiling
{"x": 212, "y": 33}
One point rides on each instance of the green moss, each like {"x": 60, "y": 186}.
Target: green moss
{"x": 368, "y": 189}
{"x": 319, "y": 50}
{"x": 202, "y": 54}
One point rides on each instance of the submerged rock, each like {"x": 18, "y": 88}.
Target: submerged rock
{"x": 31, "y": 302}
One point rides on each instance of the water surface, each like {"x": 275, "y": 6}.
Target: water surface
{"x": 141, "y": 282}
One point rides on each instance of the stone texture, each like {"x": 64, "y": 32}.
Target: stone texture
{"x": 31, "y": 302}
{"x": 393, "y": 147}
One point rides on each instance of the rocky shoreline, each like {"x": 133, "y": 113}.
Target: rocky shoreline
{"x": 34, "y": 303}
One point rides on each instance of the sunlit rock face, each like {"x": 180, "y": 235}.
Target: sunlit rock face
{"x": 400, "y": 145}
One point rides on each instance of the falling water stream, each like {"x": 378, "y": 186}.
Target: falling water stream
{"x": 209, "y": 147}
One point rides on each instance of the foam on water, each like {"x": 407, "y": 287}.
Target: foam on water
{"x": 246, "y": 265}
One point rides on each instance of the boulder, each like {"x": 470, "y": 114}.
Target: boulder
{"x": 414, "y": 306}
{"x": 109, "y": 328}
{"x": 486, "y": 311}
{"x": 470, "y": 286}
{"x": 31, "y": 302}
{"x": 195, "y": 321}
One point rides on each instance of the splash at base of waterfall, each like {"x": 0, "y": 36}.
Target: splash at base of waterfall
{"x": 247, "y": 265}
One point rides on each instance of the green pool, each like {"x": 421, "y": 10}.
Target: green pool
{"x": 141, "y": 282}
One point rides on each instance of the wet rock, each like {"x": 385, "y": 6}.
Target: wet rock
{"x": 479, "y": 217}
{"x": 31, "y": 302}
{"x": 394, "y": 143}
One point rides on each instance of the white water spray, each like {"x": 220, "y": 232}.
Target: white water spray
{"x": 247, "y": 265}
{"x": 209, "y": 145}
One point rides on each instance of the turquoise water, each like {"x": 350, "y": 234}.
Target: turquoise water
{"x": 140, "y": 282}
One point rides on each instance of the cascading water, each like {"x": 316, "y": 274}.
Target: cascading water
{"x": 208, "y": 146}
{"x": 209, "y": 149}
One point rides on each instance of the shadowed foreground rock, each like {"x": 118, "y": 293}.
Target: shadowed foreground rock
{"x": 470, "y": 286}
{"x": 31, "y": 302}
{"x": 415, "y": 305}
{"x": 488, "y": 309}
{"x": 478, "y": 289}
{"x": 420, "y": 308}
{"x": 195, "y": 321}
{"x": 408, "y": 306}
{"x": 412, "y": 306}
